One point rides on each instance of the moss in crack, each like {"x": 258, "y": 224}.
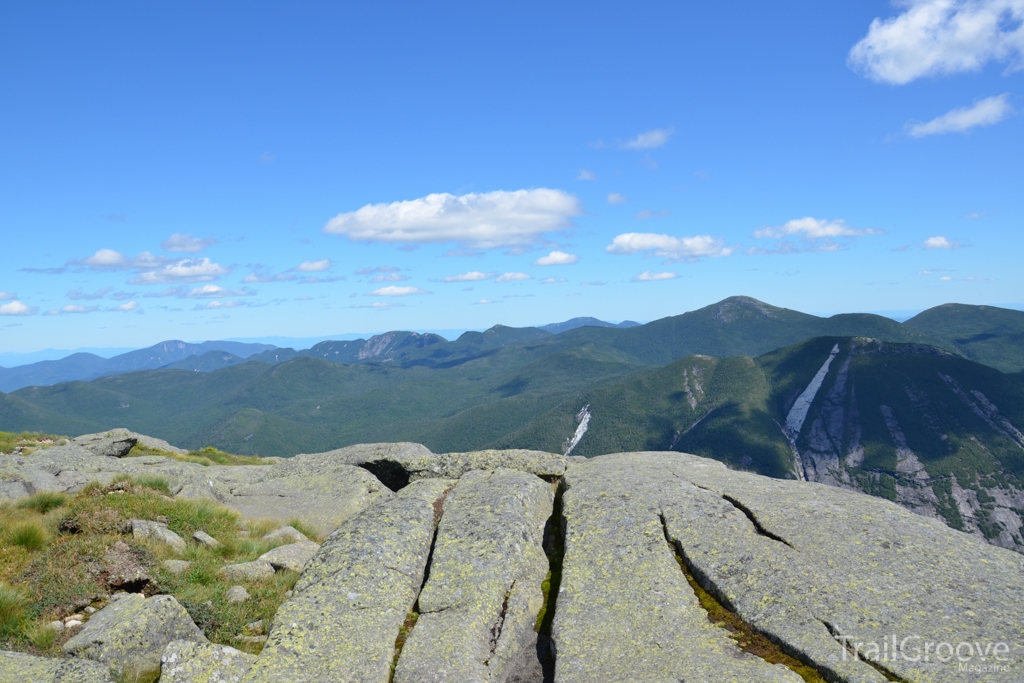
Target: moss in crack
{"x": 834, "y": 632}
{"x": 554, "y": 546}
{"x": 747, "y": 638}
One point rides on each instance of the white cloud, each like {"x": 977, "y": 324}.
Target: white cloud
{"x": 74, "y": 308}
{"x": 471, "y": 276}
{"x": 552, "y": 280}
{"x": 557, "y": 258}
{"x": 481, "y": 220}
{"x": 668, "y": 247}
{"x": 616, "y": 198}
{"x": 513, "y": 277}
{"x": 938, "y": 37}
{"x": 814, "y": 228}
{"x": 7, "y": 296}
{"x": 216, "y": 292}
{"x": 185, "y": 270}
{"x": 379, "y": 305}
{"x": 186, "y": 243}
{"x": 397, "y": 291}
{"x": 389, "y": 277}
{"x": 651, "y": 139}
{"x": 17, "y": 308}
{"x": 986, "y": 112}
{"x": 484, "y": 302}
{"x": 945, "y": 278}
{"x": 313, "y": 266}
{"x": 378, "y": 269}
{"x": 594, "y": 283}
{"x": 648, "y": 276}
{"x": 218, "y": 305}
{"x": 105, "y": 259}
{"x": 261, "y": 274}
{"x": 940, "y": 242}
{"x": 126, "y": 307}
{"x": 584, "y": 174}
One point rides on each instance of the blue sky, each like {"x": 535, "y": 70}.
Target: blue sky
{"x": 230, "y": 170}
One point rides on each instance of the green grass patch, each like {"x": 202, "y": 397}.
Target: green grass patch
{"x": 44, "y": 501}
{"x": 203, "y": 456}
{"x": 13, "y": 612}
{"x": 30, "y": 535}
{"x": 27, "y": 441}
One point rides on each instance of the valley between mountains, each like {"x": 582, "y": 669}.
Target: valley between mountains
{"x": 928, "y": 413}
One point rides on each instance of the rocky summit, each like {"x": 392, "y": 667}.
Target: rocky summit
{"x": 524, "y": 566}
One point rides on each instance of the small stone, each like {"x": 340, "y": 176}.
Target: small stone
{"x": 203, "y": 538}
{"x": 288, "y": 594}
{"x": 255, "y": 627}
{"x": 236, "y": 594}
{"x": 247, "y": 571}
{"x": 90, "y": 610}
{"x": 285, "y": 534}
{"x": 57, "y": 626}
{"x": 74, "y": 617}
{"x": 177, "y": 566}
{"x": 71, "y": 623}
{"x": 146, "y": 529}
{"x": 293, "y": 556}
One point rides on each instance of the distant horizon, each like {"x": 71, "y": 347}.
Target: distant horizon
{"x": 9, "y": 359}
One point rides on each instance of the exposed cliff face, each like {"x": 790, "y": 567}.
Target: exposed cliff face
{"x": 886, "y": 419}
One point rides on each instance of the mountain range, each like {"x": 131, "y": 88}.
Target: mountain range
{"x": 927, "y": 413}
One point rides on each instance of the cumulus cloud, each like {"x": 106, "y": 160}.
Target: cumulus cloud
{"x": 471, "y": 276}
{"x": 986, "y": 112}
{"x": 184, "y": 270}
{"x": 940, "y": 242}
{"x": 7, "y": 296}
{"x": 484, "y": 302}
{"x": 557, "y": 258}
{"x": 648, "y": 276}
{"x": 186, "y": 243}
{"x": 125, "y": 307}
{"x": 16, "y": 307}
{"x": 513, "y": 277}
{"x": 553, "y": 280}
{"x": 78, "y": 294}
{"x": 480, "y": 220}
{"x": 616, "y": 198}
{"x": 584, "y": 174}
{"x": 313, "y": 266}
{"x": 650, "y": 139}
{"x": 397, "y": 291}
{"x": 216, "y": 292}
{"x": 668, "y": 247}
{"x": 939, "y": 37}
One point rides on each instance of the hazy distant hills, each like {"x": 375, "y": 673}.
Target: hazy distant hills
{"x": 84, "y": 366}
{"x": 558, "y": 328}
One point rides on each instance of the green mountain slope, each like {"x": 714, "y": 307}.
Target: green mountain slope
{"x": 986, "y": 334}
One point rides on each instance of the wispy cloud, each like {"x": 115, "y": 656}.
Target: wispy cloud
{"x": 74, "y": 309}
{"x": 940, "y": 37}
{"x": 216, "y": 292}
{"x": 941, "y": 242}
{"x": 553, "y": 280}
{"x": 648, "y": 276}
{"x": 815, "y": 234}
{"x": 616, "y": 198}
{"x": 264, "y": 274}
{"x": 594, "y": 283}
{"x": 78, "y": 294}
{"x": 377, "y": 269}
{"x": 397, "y": 291}
{"x": 186, "y": 243}
{"x": 471, "y": 276}
{"x": 219, "y": 305}
{"x": 647, "y": 213}
{"x": 126, "y": 307}
{"x": 7, "y": 296}
{"x": 668, "y": 247}
{"x": 557, "y": 258}
{"x": 651, "y": 139}
{"x": 484, "y": 302}
{"x": 513, "y": 277}
{"x": 986, "y": 112}
{"x": 17, "y": 308}
{"x": 480, "y": 221}
{"x": 185, "y": 270}
{"x": 389, "y": 277}
{"x": 584, "y": 174}
{"x": 379, "y": 305}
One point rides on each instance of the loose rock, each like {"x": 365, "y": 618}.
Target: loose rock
{"x": 247, "y": 571}
{"x": 145, "y": 529}
{"x": 189, "y": 662}
{"x": 18, "y": 667}
{"x": 203, "y": 538}
{"x": 293, "y": 556}
{"x": 236, "y": 594}
{"x": 129, "y": 635}
{"x": 285, "y": 534}
{"x": 177, "y": 566}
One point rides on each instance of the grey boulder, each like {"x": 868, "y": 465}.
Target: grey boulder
{"x": 293, "y": 556}
{"x": 144, "y": 529}
{"x": 129, "y": 635}
{"x": 185, "y": 661}
{"x": 19, "y": 667}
